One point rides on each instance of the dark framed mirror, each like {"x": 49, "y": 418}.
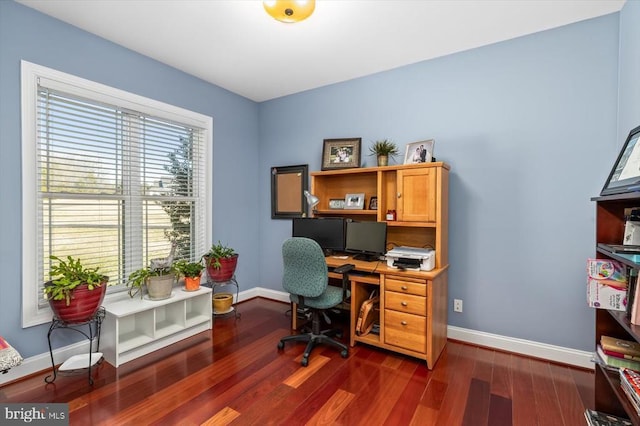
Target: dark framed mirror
{"x": 287, "y": 191}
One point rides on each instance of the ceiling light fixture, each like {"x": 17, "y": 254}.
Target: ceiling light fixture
{"x": 289, "y": 11}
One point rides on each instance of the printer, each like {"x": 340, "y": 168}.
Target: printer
{"x": 417, "y": 259}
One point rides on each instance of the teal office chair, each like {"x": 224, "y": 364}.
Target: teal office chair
{"x": 306, "y": 279}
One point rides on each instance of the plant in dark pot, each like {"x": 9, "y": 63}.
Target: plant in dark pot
{"x": 192, "y": 271}
{"x": 75, "y": 291}
{"x": 383, "y": 149}
{"x": 221, "y": 262}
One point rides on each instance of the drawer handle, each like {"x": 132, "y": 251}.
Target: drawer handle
{"x": 404, "y": 303}
{"x": 403, "y": 322}
{"x": 404, "y": 287}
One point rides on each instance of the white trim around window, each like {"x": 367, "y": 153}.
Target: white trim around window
{"x": 35, "y": 76}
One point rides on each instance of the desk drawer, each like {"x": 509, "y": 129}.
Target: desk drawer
{"x": 405, "y": 330}
{"x": 417, "y": 288}
{"x": 405, "y": 303}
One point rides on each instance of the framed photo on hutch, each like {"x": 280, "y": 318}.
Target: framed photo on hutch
{"x": 625, "y": 174}
{"x": 341, "y": 153}
{"x": 354, "y": 201}
{"x": 419, "y": 152}
{"x": 373, "y": 203}
{"x": 336, "y": 203}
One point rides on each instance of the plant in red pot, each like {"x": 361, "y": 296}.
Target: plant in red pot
{"x": 75, "y": 292}
{"x": 221, "y": 262}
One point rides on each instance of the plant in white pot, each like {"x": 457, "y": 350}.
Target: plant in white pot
{"x": 158, "y": 278}
{"x": 221, "y": 261}
{"x": 158, "y": 282}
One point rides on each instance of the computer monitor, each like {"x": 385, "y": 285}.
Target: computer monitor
{"x": 368, "y": 240}
{"x": 328, "y": 232}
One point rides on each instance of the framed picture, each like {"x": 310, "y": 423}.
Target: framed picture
{"x": 354, "y": 201}
{"x": 373, "y": 203}
{"x": 419, "y": 152}
{"x": 287, "y": 191}
{"x": 336, "y": 203}
{"x": 341, "y": 153}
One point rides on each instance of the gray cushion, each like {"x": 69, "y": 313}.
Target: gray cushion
{"x": 305, "y": 274}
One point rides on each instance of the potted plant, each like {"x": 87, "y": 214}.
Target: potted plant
{"x": 221, "y": 262}
{"x": 159, "y": 282}
{"x": 192, "y": 272}
{"x": 75, "y": 291}
{"x": 383, "y": 149}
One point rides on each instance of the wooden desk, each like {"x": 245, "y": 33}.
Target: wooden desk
{"x": 413, "y": 307}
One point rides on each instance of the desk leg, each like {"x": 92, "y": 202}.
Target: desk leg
{"x": 355, "y": 310}
{"x": 294, "y": 316}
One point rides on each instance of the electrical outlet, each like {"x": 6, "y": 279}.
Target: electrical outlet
{"x": 457, "y": 305}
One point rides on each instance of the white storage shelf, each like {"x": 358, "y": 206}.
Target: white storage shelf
{"x": 133, "y": 327}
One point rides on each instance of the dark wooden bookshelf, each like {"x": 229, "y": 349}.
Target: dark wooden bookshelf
{"x": 610, "y": 222}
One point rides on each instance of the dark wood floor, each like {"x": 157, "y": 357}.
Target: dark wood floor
{"x": 236, "y": 375}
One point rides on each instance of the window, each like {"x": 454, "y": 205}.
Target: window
{"x": 108, "y": 177}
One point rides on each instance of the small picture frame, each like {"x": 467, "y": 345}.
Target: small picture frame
{"x": 373, "y": 203}
{"x": 419, "y": 152}
{"x": 341, "y": 153}
{"x": 354, "y": 201}
{"x": 336, "y": 203}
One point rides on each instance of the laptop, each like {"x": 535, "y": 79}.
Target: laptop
{"x": 625, "y": 174}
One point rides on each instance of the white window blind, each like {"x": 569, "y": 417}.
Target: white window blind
{"x": 114, "y": 185}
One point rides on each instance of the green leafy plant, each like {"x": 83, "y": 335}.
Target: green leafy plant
{"x": 217, "y": 252}
{"x": 189, "y": 269}
{"x": 384, "y": 147}
{"x": 138, "y": 279}
{"x": 68, "y": 274}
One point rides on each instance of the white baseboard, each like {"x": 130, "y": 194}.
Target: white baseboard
{"x": 525, "y": 347}
{"x": 42, "y": 362}
{"x": 510, "y": 344}
{"x": 553, "y": 353}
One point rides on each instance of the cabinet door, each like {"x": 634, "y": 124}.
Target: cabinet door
{"x": 417, "y": 195}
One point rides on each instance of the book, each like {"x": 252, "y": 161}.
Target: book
{"x": 613, "y": 361}
{"x": 598, "y": 418}
{"x": 632, "y": 290}
{"x": 631, "y": 377}
{"x": 622, "y": 346}
{"x": 630, "y": 384}
{"x": 607, "y": 271}
{"x": 621, "y": 355}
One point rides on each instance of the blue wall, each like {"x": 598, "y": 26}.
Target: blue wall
{"x": 32, "y": 36}
{"x": 522, "y": 124}
{"x": 629, "y": 87}
{"x": 528, "y": 125}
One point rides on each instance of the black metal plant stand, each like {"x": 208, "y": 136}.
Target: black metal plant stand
{"x": 220, "y": 284}
{"x": 93, "y": 333}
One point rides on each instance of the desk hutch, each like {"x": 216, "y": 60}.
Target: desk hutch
{"x": 413, "y": 304}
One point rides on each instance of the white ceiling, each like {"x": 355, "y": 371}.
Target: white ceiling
{"x": 236, "y": 45}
